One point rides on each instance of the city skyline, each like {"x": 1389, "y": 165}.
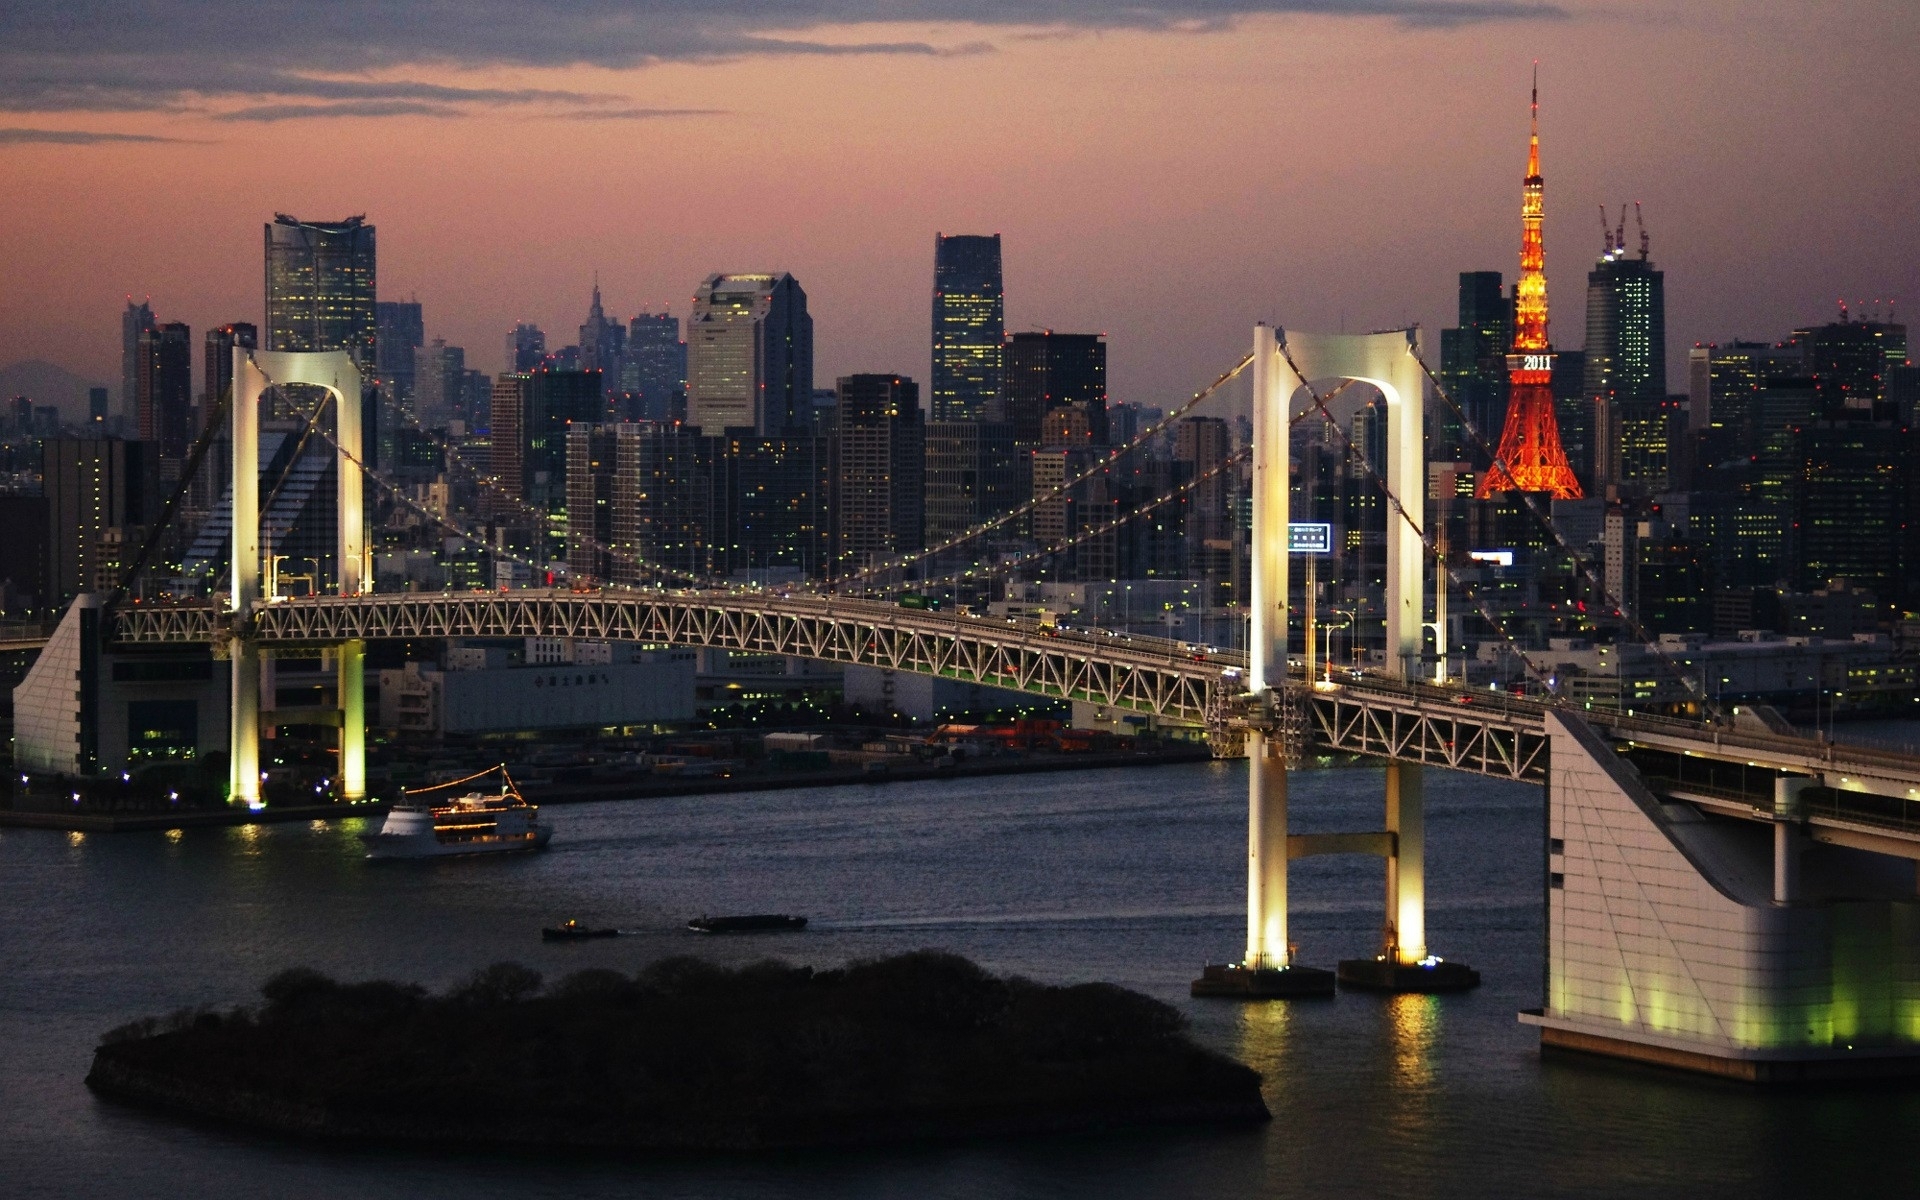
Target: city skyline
{"x": 1373, "y": 210}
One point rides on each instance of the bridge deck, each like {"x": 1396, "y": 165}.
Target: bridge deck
{"x": 1489, "y": 733}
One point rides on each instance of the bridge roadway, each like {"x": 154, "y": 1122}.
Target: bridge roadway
{"x": 1861, "y": 795}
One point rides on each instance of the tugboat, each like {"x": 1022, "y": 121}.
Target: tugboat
{"x": 754, "y": 923}
{"x": 574, "y": 931}
{"x": 474, "y": 823}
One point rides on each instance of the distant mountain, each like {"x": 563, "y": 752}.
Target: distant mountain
{"x": 48, "y": 383}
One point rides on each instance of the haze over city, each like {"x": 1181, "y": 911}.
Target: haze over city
{"x": 1164, "y": 173}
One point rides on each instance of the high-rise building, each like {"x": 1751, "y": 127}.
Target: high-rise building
{"x": 878, "y": 471}
{"x": 526, "y": 348}
{"x": 100, "y": 492}
{"x": 1048, "y": 371}
{"x": 1853, "y": 501}
{"x": 592, "y": 459}
{"x": 530, "y": 416}
{"x": 973, "y": 474}
{"x": 1626, "y": 369}
{"x": 1473, "y": 364}
{"x": 770, "y": 510}
{"x": 399, "y": 331}
{"x": 603, "y": 343}
{"x": 506, "y": 433}
{"x": 1849, "y": 360}
{"x": 320, "y": 287}
{"x": 969, "y": 326}
{"x": 1530, "y": 457}
{"x": 136, "y": 320}
{"x": 662, "y": 503}
{"x": 439, "y": 376}
{"x": 96, "y": 408}
{"x": 654, "y": 374}
{"x": 217, "y": 364}
{"x": 165, "y": 392}
{"x": 749, "y": 355}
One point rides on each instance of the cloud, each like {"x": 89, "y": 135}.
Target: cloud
{"x": 74, "y": 137}
{"x": 182, "y": 55}
{"x": 638, "y": 114}
{"x": 349, "y": 108}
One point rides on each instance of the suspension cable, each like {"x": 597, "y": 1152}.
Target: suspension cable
{"x": 1579, "y": 561}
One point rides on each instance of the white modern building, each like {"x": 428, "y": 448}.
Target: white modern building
{"x": 749, "y": 355}
{"x": 551, "y": 683}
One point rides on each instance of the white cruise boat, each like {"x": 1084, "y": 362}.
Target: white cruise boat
{"x": 475, "y": 823}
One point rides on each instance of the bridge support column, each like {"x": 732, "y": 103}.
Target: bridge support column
{"x": 1403, "y": 964}
{"x": 1406, "y": 940}
{"x": 243, "y": 739}
{"x": 1266, "y": 854}
{"x": 352, "y": 665}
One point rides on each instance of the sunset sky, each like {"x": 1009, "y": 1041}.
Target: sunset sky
{"x": 1166, "y": 173}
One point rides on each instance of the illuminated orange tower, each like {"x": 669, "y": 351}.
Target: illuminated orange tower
{"x": 1530, "y": 458}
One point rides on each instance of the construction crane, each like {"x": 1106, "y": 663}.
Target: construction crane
{"x": 1639, "y": 221}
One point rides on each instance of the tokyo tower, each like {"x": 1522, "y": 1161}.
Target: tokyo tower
{"x": 1530, "y": 458}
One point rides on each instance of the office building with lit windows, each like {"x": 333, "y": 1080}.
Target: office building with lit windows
{"x": 1626, "y": 363}
{"x": 969, "y": 326}
{"x": 320, "y": 287}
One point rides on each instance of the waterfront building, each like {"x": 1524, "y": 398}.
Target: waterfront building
{"x": 969, "y": 326}
{"x": 749, "y": 355}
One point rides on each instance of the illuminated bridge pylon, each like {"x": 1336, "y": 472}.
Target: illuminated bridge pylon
{"x": 1284, "y": 366}
{"x": 254, "y": 371}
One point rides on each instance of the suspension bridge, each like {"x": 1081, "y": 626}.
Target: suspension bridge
{"x": 1704, "y": 880}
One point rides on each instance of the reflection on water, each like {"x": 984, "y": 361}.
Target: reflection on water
{"x": 1130, "y": 876}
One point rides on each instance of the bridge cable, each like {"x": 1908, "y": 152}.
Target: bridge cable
{"x": 1355, "y": 454}
{"x": 488, "y": 483}
{"x": 1055, "y": 492}
{"x": 1580, "y": 561}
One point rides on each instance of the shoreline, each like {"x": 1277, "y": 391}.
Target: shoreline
{"x": 631, "y": 789}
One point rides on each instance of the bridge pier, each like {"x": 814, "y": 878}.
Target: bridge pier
{"x": 351, "y": 662}
{"x": 243, "y": 748}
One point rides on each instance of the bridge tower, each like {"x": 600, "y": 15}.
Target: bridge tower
{"x": 254, "y": 371}
{"x": 1284, "y": 364}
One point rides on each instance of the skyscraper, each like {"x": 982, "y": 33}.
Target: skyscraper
{"x": 526, "y": 346}
{"x": 749, "y": 355}
{"x": 1473, "y": 362}
{"x": 1849, "y": 361}
{"x": 399, "y": 330}
{"x": 531, "y": 413}
{"x": 165, "y": 391}
{"x": 1530, "y": 458}
{"x": 655, "y": 371}
{"x": 137, "y": 319}
{"x": 98, "y": 490}
{"x": 969, "y": 325}
{"x": 320, "y": 287}
{"x": 878, "y": 471}
{"x": 217, "y": 363}
{"x": 1048, "y": 371}
{"x": 1626, "y": 371}
{"x": 603, "y": 343}
{"x": 973, "y": 475}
